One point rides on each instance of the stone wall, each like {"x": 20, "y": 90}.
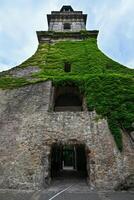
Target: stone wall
{"x": 58, "y": 26}
{"x": 24, "y": 72}
{"x": 28, "y": 129}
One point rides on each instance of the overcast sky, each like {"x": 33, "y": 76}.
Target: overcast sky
{"x": 20, "y": 19}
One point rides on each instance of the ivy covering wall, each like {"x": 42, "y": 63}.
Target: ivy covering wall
{"x": 107, "y": 85}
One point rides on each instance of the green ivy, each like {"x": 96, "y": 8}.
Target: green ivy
{"x": 107, "y": 85}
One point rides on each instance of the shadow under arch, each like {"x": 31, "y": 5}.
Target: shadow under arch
{"x": 68, "y": 98}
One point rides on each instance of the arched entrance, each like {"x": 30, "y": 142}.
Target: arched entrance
{"x": 68, "y": 161}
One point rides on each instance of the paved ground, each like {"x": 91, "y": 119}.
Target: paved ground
{"x": 65, "y": 190}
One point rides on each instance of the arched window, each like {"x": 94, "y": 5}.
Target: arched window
{"x": 67, "y": 99}
{"x": 67, "y": 26}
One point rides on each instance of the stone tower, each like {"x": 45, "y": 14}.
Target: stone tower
{"x": 66, "y": 20}
{"x": 45, "y": 124}
{"x": 65, "y": 24}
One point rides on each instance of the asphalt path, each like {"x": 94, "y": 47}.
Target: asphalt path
{"x": 66, "y": 190}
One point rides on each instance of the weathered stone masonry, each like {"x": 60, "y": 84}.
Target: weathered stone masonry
{"x": 28, "y": 129}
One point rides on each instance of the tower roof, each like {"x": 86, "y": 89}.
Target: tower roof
{"x": 66, "y": 8}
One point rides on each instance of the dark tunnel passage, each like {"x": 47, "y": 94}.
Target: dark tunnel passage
{"x": 68, "y": 161}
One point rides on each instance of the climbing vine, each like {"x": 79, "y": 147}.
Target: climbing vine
{"x": 107, "y": 85}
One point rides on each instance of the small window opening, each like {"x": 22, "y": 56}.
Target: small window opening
{"x": 67, "y": 26}
{"x": 67, "y": 67}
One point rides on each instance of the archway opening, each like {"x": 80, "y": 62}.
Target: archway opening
{"x": 68, "y": 98}
{"x": 68, "y": 161}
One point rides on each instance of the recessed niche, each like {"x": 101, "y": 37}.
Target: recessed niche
{"x": 67, "y": 98}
